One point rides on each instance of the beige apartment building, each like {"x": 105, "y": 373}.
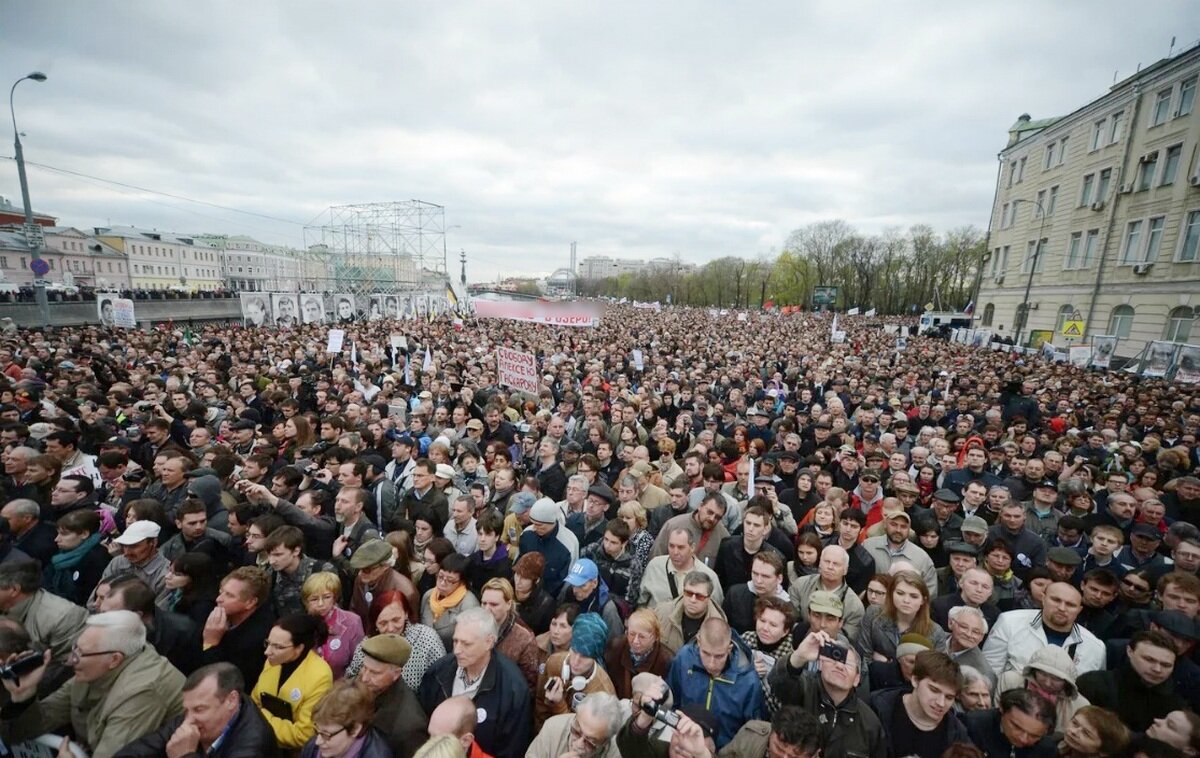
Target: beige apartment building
{"x": 161, "y": 260}
{"x": 1102, "y": 206}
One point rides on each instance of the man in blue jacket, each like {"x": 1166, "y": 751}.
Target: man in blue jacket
{"x": 716, "y": 671}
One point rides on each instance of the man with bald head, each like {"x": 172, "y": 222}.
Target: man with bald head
{"x": 716, "y": 670}
{"x": 1018, "y": 634}
{"x": 456, "y": 717}
{"x": 831, "y": 577}
{"x": 974, "y": 591}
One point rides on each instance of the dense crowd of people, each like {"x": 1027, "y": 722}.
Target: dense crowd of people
{"x": 703, "y": 535}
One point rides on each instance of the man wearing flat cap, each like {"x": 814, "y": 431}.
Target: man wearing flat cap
{"x": 399, "y": 716}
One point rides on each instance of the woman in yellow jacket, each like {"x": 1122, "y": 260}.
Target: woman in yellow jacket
{"x": 294, "y": 679}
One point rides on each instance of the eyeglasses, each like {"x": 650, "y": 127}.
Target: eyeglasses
{"x": 77, "y": 655}
{"x": 577, "y": 735}
{"x": 327, "y": 736}
{"x": 695, "y": 595}
{"x": 268, "y": 645}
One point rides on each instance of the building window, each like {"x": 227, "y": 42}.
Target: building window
{"x": 1133, "y": 239}
{"x": 1034, "y": 255}
{"x": 1149, "y": 166}
{"x": 22, "y": 261}
{"x": 1187, "y": 97}
{"x": 1171, "y": 164}
{"x": 1089, "y": 247}
{"x": 1102, "y": 186}
{"x": 1098, "y": 134}
{"x": 1179, "y": 324}
{"x": 1041, "y": 202}
{"x": 1051, "y": 200}
{"x": 1085, "y": 194}
{"x": 3, "y": 261}
{"x": 1190, "y": 246}
{"x": 1154, "y": 238}
{"x": 1048, "y": 160}
{"x": 1074, "y": 246}
{"x": 1162, "y": 107}
{"x": 1114, "y": 133}
{"x": 1004, "y": 259}
{"x": 1121, "y": 321}
{"x": 1021, "y": 169}
{"x": 1062, "y": 151}
{"x": 989, "y": 313}
{"x": 110, "y": 268}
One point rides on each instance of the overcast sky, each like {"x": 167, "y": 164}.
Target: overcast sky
{"x": 635, "y": 129}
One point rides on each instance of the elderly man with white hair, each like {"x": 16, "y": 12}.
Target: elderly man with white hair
{"x": 591, "y": 730}
{"x": 494, "y": 683}
{"x": 968, "y": 627}
{"x": 121, "y": 689}
{"x": 831, "y": 577}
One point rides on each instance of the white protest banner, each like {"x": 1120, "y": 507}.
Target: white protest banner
{"x": 336, "y": 337}
{"x": 571, "y": 313}
{"x": 741, "y": 317}
{"x": 398, "y": 342}
{"x": 1104, "y": 346}
{"x": 517, "y": 370}
{"x": 1079, "y": 355}
{"x": 638, "y": 362}
{"x": 115, "y": 310}
{"x": 870, "y": 312}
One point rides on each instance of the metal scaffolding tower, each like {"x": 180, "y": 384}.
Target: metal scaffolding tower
{"x": 377, "y": 247}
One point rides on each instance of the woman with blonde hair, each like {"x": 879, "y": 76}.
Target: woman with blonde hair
{"x": 320, "y": 594}
{"x": 639, "y": 651}
{"x": 445, "y": 746}
{"x": 905, "y": 610}
{"x": 514, "y": 639}
{"x": 640, "y": 544}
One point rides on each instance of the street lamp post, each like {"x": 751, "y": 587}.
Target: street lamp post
{"x": 1037, "y": 253}
{"x": 32, "y": 237}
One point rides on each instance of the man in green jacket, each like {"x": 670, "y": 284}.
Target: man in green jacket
{"x": 121, "y": 689}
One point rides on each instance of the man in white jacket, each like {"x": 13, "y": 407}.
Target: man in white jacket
{"x": 1017, "y": 635}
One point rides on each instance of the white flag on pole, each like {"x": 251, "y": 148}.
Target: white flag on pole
{"x": 853, "y": 311}
{"x": 870, "y": 312}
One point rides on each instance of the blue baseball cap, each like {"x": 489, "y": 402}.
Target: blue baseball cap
{"x": 582, "y": 571}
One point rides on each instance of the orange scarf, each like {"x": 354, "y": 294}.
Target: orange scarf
{"x": 440, "y": 605}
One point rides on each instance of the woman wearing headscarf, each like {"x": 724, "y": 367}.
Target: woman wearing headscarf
{"x": 571, "y": 676}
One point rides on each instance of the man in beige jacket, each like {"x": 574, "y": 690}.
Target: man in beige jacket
{"x": 121, "y": 690}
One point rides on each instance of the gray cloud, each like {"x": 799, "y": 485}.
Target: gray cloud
{"x": 703, "y": 129}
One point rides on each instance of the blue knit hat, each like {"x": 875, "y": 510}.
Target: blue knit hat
{"x": 589, "y": 636}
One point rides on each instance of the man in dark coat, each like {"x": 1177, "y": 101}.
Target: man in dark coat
{"x": 493, "y": 682}
{"x": 218, "y": 721}
{"x": 239, "y": 625}
{"x": 398, "y": 715}
{"x": 1140, "y": 688}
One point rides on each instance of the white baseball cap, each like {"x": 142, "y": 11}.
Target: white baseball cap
{"x": 138, "y": 531}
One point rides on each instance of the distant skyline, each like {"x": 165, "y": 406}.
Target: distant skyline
{"x": 635, "y": 130}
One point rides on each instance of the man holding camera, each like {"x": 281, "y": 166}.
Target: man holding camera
{"x": 852, "y": 728}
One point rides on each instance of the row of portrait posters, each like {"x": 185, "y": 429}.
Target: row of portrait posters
{"x": 288, "y": 309}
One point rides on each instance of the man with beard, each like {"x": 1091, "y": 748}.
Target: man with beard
{"x": 705, "y": 524}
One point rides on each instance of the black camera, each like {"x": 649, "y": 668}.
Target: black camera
{"x": 22, "y": 665}
{"x": 833, "y": 652}
{"x": 660, "y": 714}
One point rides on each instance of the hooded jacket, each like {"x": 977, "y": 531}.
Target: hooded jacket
{"x": 558, "y": 558}
{"x": 735, "y": 696}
